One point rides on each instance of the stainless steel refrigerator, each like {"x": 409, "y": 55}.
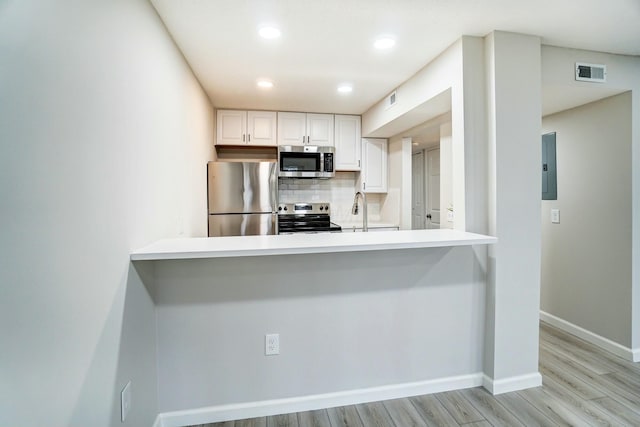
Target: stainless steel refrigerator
{"x": 242, "y": 198}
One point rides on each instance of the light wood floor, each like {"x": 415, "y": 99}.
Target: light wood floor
{"x": 582, "y": 386}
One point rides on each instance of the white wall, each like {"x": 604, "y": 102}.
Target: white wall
{"x": 446, "y": 175}
{"x": 346, "y": 321}
{"x": 405, "y": 184}
{"x": 513, "y": 107}
{"x": 392, "y": 206}
{"x": 586, "y": 259}
{"x": 105, "y": 135}
{"x": 622, "y": 75}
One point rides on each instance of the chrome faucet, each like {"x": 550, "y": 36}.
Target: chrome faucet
{"x": 354, "y": 210}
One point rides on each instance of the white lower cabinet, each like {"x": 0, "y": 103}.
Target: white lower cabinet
{"x": 374, "y": 174}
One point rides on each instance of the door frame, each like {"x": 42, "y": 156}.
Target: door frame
{"x": 427, "y": 184}
{"x": 424, "y": 192}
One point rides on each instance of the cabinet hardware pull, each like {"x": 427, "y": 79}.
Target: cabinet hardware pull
{"x": 243, "y": 137}
{"x": 249, "y": 138}
{"x": 358, "y": 163}
{"x": 364, "y": 185}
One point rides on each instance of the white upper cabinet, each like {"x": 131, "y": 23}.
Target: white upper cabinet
{"x": 320, "y": 129}
{"x": 237, "y": 127}
{"x": 348, "y": 143}
{"x": 292, "y": 128}
{"x": 261, "y": 128}
{"x": 374, "y": 176}
{"x": 231, "y": 127}
{"x": 305, "y": 129}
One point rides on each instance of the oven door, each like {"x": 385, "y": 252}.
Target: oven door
{"x": 313, "y": 223}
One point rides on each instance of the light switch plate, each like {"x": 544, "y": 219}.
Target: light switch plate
{"x": 555, "y": 216}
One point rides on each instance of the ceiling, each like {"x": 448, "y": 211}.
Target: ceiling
{"x": 328, "y": 42}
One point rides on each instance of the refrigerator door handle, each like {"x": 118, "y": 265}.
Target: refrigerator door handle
{"x": 273, "y": 181}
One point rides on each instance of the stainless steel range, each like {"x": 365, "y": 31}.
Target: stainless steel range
{"x": 305, "y": 218}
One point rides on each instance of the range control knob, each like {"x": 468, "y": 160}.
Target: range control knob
{"x": 326, "y": 208}
{"x": 279, "y": 208}
{"x": 321, "y": 207}
{"x": 285, "y": 208}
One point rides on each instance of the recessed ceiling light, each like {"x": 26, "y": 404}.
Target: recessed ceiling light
{"x": 384, "y": 42}
{"x": 265, "y": 84}
{"x": 345, "y": 88}
{"x": 269, "y": 32}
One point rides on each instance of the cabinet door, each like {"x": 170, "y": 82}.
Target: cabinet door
{"x": 231, "y": 127}
{"x": 261, "y": 128}
{"x": 320, "y": 129}
{"x": 292, "y": 128}
{"x": 348, "y": 145}
{"x": 374, "y": 165}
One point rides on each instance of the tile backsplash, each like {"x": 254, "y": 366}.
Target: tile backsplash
{"x": 339, "y": 191}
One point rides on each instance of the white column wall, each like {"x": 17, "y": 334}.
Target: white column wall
{"x": 446, "y": 175}
{"x": 105, "y": 134}
{"x": 405, "y": 209}
{"x": 514, "y": 105}
{"x": 496, "y": 186}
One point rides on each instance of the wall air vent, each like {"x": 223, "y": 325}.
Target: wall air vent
{"x": 391, "y": 100}
{"x": 591, "y": 72}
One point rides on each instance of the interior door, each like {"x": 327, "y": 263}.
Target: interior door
{"x": 418, "y": 210}
{"x": 433, "y": 186}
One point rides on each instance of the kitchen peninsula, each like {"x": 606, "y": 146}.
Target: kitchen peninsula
{"x": 292, "y": 244}
{"x": 360, "y": 317}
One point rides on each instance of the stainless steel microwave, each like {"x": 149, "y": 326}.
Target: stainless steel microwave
{"x": 306, "y": 161}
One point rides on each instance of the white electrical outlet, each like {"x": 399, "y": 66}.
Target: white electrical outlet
{"x": 555, "y": 216}
{"x": 125, "y": 401}
{"x": 271, "y": 344}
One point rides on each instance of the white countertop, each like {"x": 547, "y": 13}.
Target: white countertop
{"x": 240, "y": 246}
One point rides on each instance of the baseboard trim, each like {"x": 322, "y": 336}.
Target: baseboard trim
{"x": 506, "y": 385}
{"x": 595, "y": 339}
{"x": 264, "y": 408}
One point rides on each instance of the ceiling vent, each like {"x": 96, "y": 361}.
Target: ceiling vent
{"x": 591, "y": 72}
{"x": 391, "y": 100}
